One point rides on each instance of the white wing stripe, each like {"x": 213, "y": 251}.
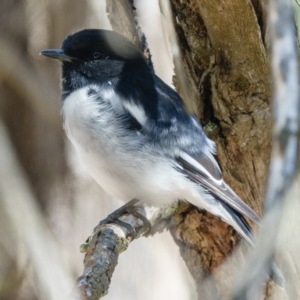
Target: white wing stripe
{"x": 198, "y": 166}
{"x": 136, "y": 111}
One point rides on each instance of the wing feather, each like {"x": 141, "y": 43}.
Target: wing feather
{"x": 206, "y": 172}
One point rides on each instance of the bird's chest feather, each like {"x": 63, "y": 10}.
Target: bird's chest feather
{"x": 89, "y": 121}
{"x": 99, "y": 139}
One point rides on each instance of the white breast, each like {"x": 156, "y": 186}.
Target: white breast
{"x": 120, "y": 163}
{"x": 91, "y": 126}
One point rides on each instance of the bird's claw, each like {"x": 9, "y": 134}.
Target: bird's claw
{"x": 114, "y": 218}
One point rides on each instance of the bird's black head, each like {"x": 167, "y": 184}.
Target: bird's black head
{"x": 91, "y": 45}
{"x": 94, "y": 55}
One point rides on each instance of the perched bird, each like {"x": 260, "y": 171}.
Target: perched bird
{"x": 132, "y": 132}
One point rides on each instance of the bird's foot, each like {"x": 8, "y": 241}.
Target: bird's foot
{"x": 114, "y": 217}
{"x": 145, "y": 221}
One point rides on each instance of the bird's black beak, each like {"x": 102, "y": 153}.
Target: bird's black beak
{"x": 57, "y": 54}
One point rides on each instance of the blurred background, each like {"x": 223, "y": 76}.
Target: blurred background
{"x": 48, "y": 204}
{"x": 69, "y": 202}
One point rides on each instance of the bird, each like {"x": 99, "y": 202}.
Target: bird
{"x": 133, "y": 134}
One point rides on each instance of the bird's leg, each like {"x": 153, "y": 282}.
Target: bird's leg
{"x": 145, "y": 221}
{"x": 114, "y": 217}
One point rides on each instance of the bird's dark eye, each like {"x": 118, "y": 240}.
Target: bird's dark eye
{"x": 97, "y": 55}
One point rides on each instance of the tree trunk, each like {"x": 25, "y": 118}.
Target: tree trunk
{"x": 222, "y": 47}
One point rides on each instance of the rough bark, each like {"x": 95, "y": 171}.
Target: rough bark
{"x": 233, "y": 75}
{"x": 224, "y": 39}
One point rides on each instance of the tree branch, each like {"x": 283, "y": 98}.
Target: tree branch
{"x": 108, "y": 241}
